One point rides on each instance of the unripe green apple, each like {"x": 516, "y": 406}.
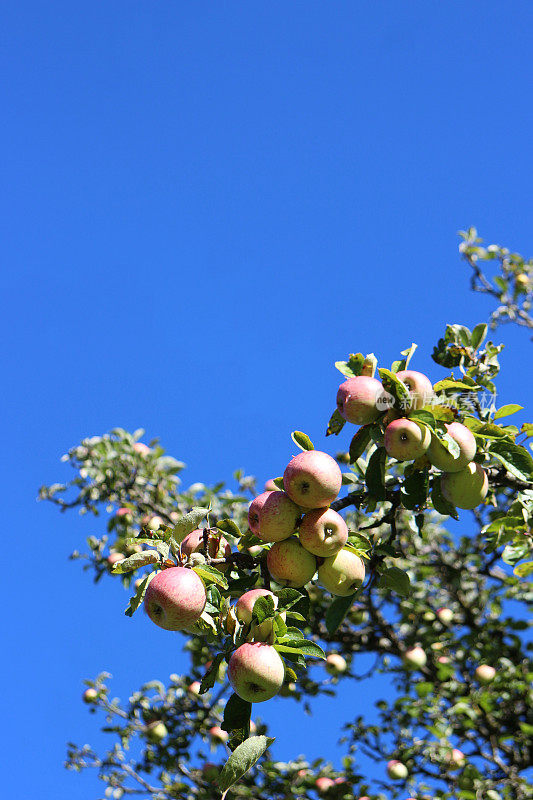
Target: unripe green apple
{"x": 342, "y": 574}
{"x": 420, "y": 389}
{"x": 218, "y": 546}
{"x": 256, "y": 672}
{"x": 406, "y": 440}
{"x": 90, "y": 695}
{"x": 273, "y": 516}
{"x": 312, "y": 479}
{"x": 485, "y": 673}
{"x": 466, "y": 488}
{"x": 290, "y": 564}
{"x": 522, "y": 280}
{"x": 415, "y": 657}
{"x": 396, "y": 770}
{"x": 445, "y": 615}
{"x": 156, "y": 731}
{"x": 323, "y": 532}
{"x": 324, "y": 785}
{"x": 335, "y": 664}
{"x": 175, "y": 598}
{"x": 218, "y": 735}
{"x": 443, "y": 459}
{"x": 264, "y": 631}
{"x": 357, "y": 398}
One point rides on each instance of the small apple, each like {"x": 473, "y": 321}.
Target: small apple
{"x": 273, "y": 516}
{"x": 342, "y": 574}
{"x": 406, "y": 440}
{"x": 357, "y": 399}
{"x": 218, "y": 735}
{"x": 270, "y": 486}
{"x": 396, "y": 770}
{"x": 420, "y": 389}
{"x": 210, "y": 772}
{"x": 324, "y": 785}
{"x": 218, "y": 546}
{"x": 90, "y": 695}
{"x": 323, "y": 532}
{"x": 443, "y": 459}
{"x": 455, "y": 758}
{"x": 141, "y": 448}
{"x": 290, "y": 564}
{"x": 256, "y": 672}
{"x": 123, "y": 512}
{"x": 194, "y": 687}
{"x": 466, "y": 488}
{"x": 312, "y": 479}
{"x": 114, "y": 558}
{"x": 175, "y": 598}
{"x": 485, "y": 674}
{"x": 154, "y": 523}
{"x": 522, "y": 281}
{"x": 244, "y": 606}
{"x": 443, "y": 659}
{"x": 156, "y": 731}
{"x": 415, "y": 657}
{"x": 335, "y": 664}
{"x": 445, "y": 615}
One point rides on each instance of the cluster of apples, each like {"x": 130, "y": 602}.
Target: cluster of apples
{"x": 362, "y": 401}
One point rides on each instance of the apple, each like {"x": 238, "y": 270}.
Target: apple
{"x": 415, "y": 657}
{"x": 270, "y": 486}
{"x": 273, "y": 516}
{"x": 357, "y": 398}
{"x": 443, "y": 459}
{"x": 156, "y": 731}
{"x": 522, "y": 280}
{"x": 396, "y": 770}
{"x": 290, "y": 564}
{"x": 485, "y": 674}
{"x": 342, "y": 574}
{"x": 210, "y": 772}
{"x": 466, "y": 488}
{"x": 420, "y": 389}
{"x": 443, "y": 660}
{"x": 324, "y": 784}
{"x": 243, "y": 611}
{"x": 114, "y": 558}
{"x": 445, "y": 615}
{"x": 155, "y": 523}
{"x": 218, "y": 735}
{"x": 194, "y": 687}
{"x": 455, "y": 758}
{"x": 256, "y": 672}
{"x": 218, "y": 546}
{"x": 312, "y": 479}
{"x": 406, "y": 440}
{"x": 123, "y": 512}
{"x": 141, "y": 448}
{"x": 175, "y": 598}
{"x": 89, "y": 695}
{"x": 323, "y": 532}
{"x": 335, "y": 664}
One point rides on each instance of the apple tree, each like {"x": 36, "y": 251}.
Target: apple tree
{"x": 359, "y": 552}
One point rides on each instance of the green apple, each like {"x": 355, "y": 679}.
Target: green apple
{"x": 396, "y": 770}
{"x": 335, "y": 664}
{"x": 342, "y": 574}
{"x": 406, "y": 440}
{"x": 290, "y": 564}
{"x": 467, "y": 488}
{"x": 156, "y": 731}
{"x": 244, "y": 606}
{"x": 90, "y": 695}
{"x": 445, "y": 615}
{"x": 415, "y": 657}
{"x": 485, "y": 673}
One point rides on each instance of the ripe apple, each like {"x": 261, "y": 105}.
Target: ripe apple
{"x": 342, "y": 574}
{"x": 335, "y": 664}
{"x": 155, "y": 523}
{"x": 443, "y": 659}
{"x": 396, "y": 770}
{"x": 210, "y": 772}
{"x": 256, "y": 672}
{"x": 406, "y": 440}
{"x": 270, "y": 486}
{"x": 415, "y": 657}
{"x": 323, "y": 532}
{"x": 324, "y": 784}
{"x": 420, "y": 389}
{"x": 175, "y": 598}
{"x": 443, "y": 459}
{"x": 123, "y": 512}
{"x": 89, "y": 695}
{"x": 312, "y": 479}
{"x": 445, "y": 615}
{"x": 455, "y": 758}
{"x": 466, "y": 488}
{"x": 114, "y": 558}
{"x": 156, "y": 731}
{"x": 218, "y": 735}
{"x": 194, "y": 687}
{"x": 218, "y": 546}
{"x": 357, "y": 398}
{"x": 290, "y": 564}
{"x": 244, "y": 608}
{"x": 141, "y": 448}
{"x": 273, "y": 516}
{"x": 485, "y": 674}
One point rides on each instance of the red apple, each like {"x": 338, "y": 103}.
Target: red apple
{"x": 273, "y": 516}
{"x": 256, "y": 672}
{"x": 323, "y": 532}
{"x": 290, "y": 564}
{"x": 312, "y": 479}
{"x": 357, "y": 399}
{"x": 420, "y": 389}
{"x": 175, "y": 598}
{"x": 441, "y": 458}
{"x": 406, "y": 440}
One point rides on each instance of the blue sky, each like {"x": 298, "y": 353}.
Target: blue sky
{"x": 205, "y": 205}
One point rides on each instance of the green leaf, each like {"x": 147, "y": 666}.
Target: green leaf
{"x": 210, "y": 677}
{"x": 515, "y": 551}
{"x": 409, "y": 353}
{"x": 527, "y": 428}
{"x": 450, "y": 384}
{"x": 301, "y": 646}
{"x": 263, "y": 609}
{"x": 440, "y": 504}
{"x": 375, "y": 473}
{"x": 302, "y": 440}
{"x": 138, "y": 597}
{"x": 353, "y": 367}
{"x": 208, "y": 573}
{"x": 487, "y": 430}
{"x": 394, "y": 385}
{"x": 425, "y": 418}
{"x": 359, "y": 541}
{"x": 359, "y": 443}
{"x": 237, "y": 713}
{"x": 287, "y": 598}
{"x": 135, "y": 561}
{"x": 189, "y": 522}
{"x": 396, "y": 579}
{"x": 336, "y": 424}
{"x": 506, "y": 411}
{"x": 514, "y": 458}
{"x": 523, "y": 571}
{"x": 415, "y": 489}
{"x": 242, "y": 759}
{"x": 229, "y": 526}
{"x": 478, "y": 334}
{"x": 279, "y": 483}
{"x": 337, "y": 611}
